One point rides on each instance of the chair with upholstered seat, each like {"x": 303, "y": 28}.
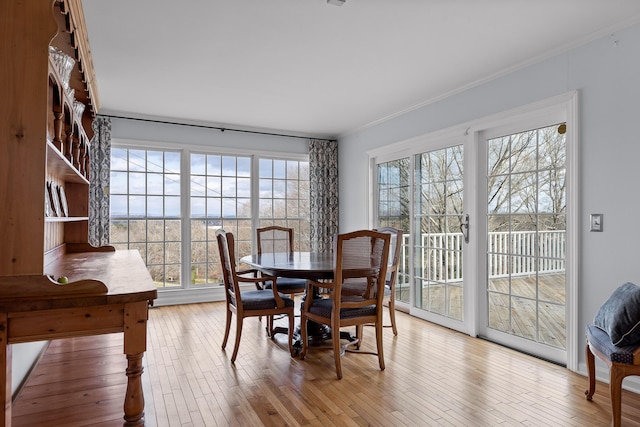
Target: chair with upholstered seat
{"x": 359, "y": 256}
{"x": 275, "y": 239}
{"x": 395, "y": 247}
{"x": 249, "y": 303}
{"x": 615, "y": 339}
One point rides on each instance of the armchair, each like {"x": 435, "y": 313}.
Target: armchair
{"x": 614, "y": 337}
{"x": 259, "y": 302}
{"x": 359, "y": 257}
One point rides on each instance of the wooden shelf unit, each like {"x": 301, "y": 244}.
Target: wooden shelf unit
{"x": 43, "y": 139}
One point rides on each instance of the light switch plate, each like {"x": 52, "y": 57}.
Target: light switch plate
{"x": 596, "y": 222}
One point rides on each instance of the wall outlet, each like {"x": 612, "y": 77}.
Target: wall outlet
{"x": 596, "y": 222}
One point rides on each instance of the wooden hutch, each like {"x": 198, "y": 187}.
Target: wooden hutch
{"x": 44, "y": 146}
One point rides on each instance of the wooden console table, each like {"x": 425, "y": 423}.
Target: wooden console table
{"x": 116, "y": 298}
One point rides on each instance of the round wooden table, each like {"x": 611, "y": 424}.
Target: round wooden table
{"x": 304, "y": 265}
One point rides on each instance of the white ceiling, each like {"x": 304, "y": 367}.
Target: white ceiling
{"x": 308, "y": 68}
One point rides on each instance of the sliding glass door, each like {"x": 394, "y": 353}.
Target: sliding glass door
{"x": 439, "y": 221}
{"x": 393, "y": 179}
{"x": 489, "y": 214}
{"x": 526, "y": 239}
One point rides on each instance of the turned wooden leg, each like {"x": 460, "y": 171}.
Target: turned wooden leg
{"x": 134, "y": 400}
{"x": 591, "y": 372}
{"x": 135, "y": 344}
{"x": 57, "y": 131}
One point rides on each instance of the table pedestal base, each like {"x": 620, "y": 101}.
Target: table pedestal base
{"x": 318, "y": 335}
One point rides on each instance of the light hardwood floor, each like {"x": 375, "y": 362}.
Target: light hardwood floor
{"x": 434, "y": 377}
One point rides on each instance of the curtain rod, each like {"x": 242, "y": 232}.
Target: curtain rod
{"x": 221, "y": 129}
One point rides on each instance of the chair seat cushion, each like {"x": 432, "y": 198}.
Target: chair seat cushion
{"x": 262, "y": 300}
{"x": 322, "y": 307}
{"x": 619, "y": 316}
{"x": 288, "y": 284}
{"x": 601, "y": 341}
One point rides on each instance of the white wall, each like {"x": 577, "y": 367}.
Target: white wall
{"x": 607, "y": 74}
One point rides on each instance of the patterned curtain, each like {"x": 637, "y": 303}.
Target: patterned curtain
{"x": 323, "y": 182}
{"x": 99, "y": 182}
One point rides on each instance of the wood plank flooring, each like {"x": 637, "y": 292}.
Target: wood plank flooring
{"x": 433, "y": 377}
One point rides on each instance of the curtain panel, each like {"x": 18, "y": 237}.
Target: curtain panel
{"x": 99, "y": 175}
{"x": 323, "y": 192}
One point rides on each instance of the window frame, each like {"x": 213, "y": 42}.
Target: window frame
{"x": 186, "y": 150}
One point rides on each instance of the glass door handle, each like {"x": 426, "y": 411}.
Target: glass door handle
{"x": 464, "y": 228}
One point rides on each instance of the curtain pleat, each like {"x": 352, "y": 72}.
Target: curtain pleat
{"x": 99, "y": 182}
{"x": 323, "y": 192}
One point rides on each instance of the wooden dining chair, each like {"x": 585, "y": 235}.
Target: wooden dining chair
{"x": 273, "y": 239}
{"x": 395, "y": 246}
{"x": 248, "y": 303}
{"x": 359, "y": 256}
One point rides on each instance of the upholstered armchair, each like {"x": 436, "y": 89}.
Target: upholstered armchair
{"x": 614, "y": 337}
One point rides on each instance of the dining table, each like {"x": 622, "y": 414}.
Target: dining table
{"x": 304, "y": 265}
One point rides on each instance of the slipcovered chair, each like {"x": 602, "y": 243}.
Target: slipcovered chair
{"x": 614, "y": 337}
{"x": 359, "y": 256}
{"x": 258, "y": 302}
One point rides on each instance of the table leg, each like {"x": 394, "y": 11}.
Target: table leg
{"x": 135, "y": 344}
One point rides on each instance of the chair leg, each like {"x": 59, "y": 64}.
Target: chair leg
{"x": 303, "y": 337}
{"x": 615, "y": 389}
{"x": 227, "y": 327}
{"x": 238, "y": 334}
{"x": 359, "y": 335}
{"x": 337, "y": 349}
{"x": 379, "y": 344}
{"x": 291, "y": 326}
{"x": 269, "y": 327}
{"x": 392, "y": 314}
{"x": 591, "y": 373}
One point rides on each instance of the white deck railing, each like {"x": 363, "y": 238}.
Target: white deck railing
{"x": 508, "y": 253}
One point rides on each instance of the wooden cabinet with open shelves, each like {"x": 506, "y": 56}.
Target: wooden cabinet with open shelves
{"x": 40, "y": 145}
{"x": 44, "y": 139}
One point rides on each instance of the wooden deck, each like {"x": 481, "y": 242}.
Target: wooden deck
{"x": 549, "y": 314}
{"x": 434, "y": 377}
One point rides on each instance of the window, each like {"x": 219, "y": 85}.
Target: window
{"x": 438, "y": 251}
{"x": 494, "y": 263}
{"x": 152, "y": 192}
{"x": 145, "y": 209}
{"x": 526, "y": 221}
{"x": 394, "y": 211}
{"x": 284, "y": 198}
{"x": 220, "y": 198}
